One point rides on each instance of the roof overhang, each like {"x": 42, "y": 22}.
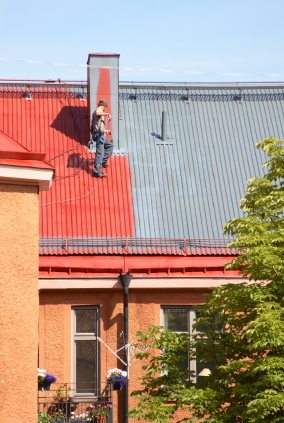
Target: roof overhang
{"x": 35, "y": 174}
{"x": 90, "y": 267}
{"x": 137, "y": 283}
{"x": 23, "y": 167}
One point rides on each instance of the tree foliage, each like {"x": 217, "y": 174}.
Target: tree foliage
{"x": 163, "y": 376}
{"x": 246, "y": 342}
{"x": 260, "y": 232}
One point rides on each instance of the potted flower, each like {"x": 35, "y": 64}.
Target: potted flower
{"x": 64, "y": 403}
{"x": 62, "y": 394}
{"x": 99, "y": 410}
{"x": 44, "y": 380}
{"x": 117, "y": 378}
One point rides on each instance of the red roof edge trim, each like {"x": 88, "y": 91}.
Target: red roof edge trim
{"x": 94, "y": 265}
{"x": 21, "y": 155}
{"x": 11, "y": 149}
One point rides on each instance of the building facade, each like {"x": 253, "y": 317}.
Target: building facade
{"x": 121, "y": 253}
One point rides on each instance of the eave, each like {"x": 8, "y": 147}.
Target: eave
{"x": 144, "y": 266}
{"x": 23, "y": 167}
{"x": 26, "y": 174}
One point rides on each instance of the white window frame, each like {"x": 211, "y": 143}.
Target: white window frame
{"x": 190, "y": 321}
{"x": 85, "y": 336}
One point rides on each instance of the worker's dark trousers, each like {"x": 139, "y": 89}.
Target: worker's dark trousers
{"x": 104, "y": 149}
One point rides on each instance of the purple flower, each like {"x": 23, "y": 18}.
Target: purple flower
{"x": 49, "y": 378}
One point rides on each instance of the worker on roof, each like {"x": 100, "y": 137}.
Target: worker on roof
{"x": 104, "y": 147}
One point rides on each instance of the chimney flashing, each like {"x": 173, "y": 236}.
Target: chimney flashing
{"x": 102, "y": 55}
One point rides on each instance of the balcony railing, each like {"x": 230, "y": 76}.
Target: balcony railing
{"x": 62, "y": 403}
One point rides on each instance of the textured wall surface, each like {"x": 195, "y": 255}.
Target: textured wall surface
{"x": 144, "y": 310}
{"x": 19, "y": 302}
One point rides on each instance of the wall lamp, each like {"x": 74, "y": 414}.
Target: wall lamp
{"x": 205, "y": 372}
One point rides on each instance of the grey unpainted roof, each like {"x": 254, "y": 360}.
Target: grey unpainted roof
{"x": 190, "y": 184}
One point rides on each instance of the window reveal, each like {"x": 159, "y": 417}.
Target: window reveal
{"x": 85, "y": 350}
{"x": 182, "y": 320}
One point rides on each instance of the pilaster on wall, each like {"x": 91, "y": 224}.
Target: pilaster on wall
{"x": 19, "y": 301}
{"x": 22, "y": 175}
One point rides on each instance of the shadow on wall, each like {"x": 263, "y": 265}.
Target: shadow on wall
{"x": 77, "y": 161}
{"x": 72, "y": 121}
{"x": 114, "y": 319}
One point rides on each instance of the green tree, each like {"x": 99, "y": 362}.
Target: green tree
{"x": 246, "y": 341}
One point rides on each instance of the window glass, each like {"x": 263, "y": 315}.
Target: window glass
{"x": 86, "y": 321}
{"x": 176, "y": 320}
{"x": 204, "y": 366}
{"x": 85, "y": 350}
{"x": 86, "y": 368}
{"x": 201, "y": 327}
{"x": 206, "y": 326}
{"x": 183, "y": 362}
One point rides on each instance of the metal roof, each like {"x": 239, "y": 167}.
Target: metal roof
{"x": 191, "y": 183}
{"x": 162, "y": 196}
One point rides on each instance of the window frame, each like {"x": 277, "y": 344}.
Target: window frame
{"x": 192, "y": 312}
{"x": 85, "y": 336}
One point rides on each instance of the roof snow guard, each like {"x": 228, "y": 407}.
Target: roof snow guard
{"x": 135, "y": 246}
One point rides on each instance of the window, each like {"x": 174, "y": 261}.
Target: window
{"x": 85, "y": 350}
{"x": 181, "y": 320}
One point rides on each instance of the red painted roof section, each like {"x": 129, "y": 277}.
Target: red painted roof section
{"x": 7, "y": 144}
{"x": 25, "y": 163}
{"x": 77, "y": 205}
{"x": 14, "y": 154}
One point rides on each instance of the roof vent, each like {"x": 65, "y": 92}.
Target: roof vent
{"x": 164, "y": 139}
{"x": 164, "y": 125}
{"x": 28, "y": 96}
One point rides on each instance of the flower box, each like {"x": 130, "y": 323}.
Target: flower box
{"x": 44, "y": 380}
{"x": 117, "y": 378}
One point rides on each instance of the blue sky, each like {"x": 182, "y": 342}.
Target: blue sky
{"x": 158, "y": 40}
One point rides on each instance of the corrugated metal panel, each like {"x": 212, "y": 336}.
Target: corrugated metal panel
{"x": 191, "y": 184}
{"x": 78, "y": 205}
{"x": 161, "y": 197}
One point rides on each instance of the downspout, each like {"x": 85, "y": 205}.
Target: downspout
{"x": 125, "y": 281}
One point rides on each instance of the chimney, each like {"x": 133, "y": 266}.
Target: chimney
{"x": 103, "y": 80}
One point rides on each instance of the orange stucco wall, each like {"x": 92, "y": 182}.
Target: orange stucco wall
{"x": 19, "y": 302}
{"x": 144, "y": 310}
